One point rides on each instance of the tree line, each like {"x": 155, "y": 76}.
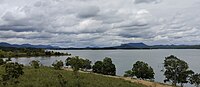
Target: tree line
{"x": 27, "y": 52}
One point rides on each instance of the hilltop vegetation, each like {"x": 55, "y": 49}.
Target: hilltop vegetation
{"x": 8, "y": 52}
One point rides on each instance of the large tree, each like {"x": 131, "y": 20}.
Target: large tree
{"x": 176, "y": 70}
{"x": 108, "y": 67}
{"x": 97, "y": 67}
{"x": 78, "y": 63}
{"x": 105, "y": 67}
{"x": 142, "y": 70}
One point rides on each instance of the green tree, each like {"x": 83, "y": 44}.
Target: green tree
{"x": 78, "y": 63}
{"x": 195, "y": 79}
{"x": 35, "y": 64}
{"x": 97, "y": 67}
{"x": 86, "y": 64}
{"x": 75, "y": 62}
{"x": 108, "y": 67}
{"x": 142, "y": 70}
{"x": 176, "y": 70}
{"x": 58, "y": 65}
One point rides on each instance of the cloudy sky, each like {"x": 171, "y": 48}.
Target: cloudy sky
{"x": 82, "y": 23}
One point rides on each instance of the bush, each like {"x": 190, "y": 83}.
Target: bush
{"x": 195, "y": 79}
{"x": 62, "y": 81}
{"x": 12, "y": 71}
{"x": 35, "y": 64}
{"x": 58, "y": 65}
{"x": 128, "y": 73}
{"x": 2, "y": 61}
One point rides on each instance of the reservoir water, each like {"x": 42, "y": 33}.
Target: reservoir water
{"x": 124, "y": 59}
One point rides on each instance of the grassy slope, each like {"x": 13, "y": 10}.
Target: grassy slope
{"x": 48, "y": 77}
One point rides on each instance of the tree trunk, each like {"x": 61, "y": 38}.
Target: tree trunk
{"x": 181, "y": 84}
{"x": 174, "y": 83}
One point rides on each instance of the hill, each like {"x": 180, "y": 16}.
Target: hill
{"x": 4, "y": 44}
{"x": 133, "y": 45}
{"x": 48, "y": 77}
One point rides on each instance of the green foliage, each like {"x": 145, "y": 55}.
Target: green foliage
{"x": 48, "y": 77}
{"x": 97, "y": 67}
{"x": 106, "y": 67}
{"x": 35, "y": 64}
{"x": 62, "y": 81}
{"x": 86, "y": 64}
{"x": 129, "y": 73}
{"x": 195, "y": 79}
{"x": 58, "y": 65}
{"x": 176, "y": 70}
{"x": 50, "y": 53}
{"x": 8, "y": 52}
{"x": 2, "y": 62}
{"x": 142, "y": 70}
{"x": 76, "y": 63}
{"x": 12, "y": 71}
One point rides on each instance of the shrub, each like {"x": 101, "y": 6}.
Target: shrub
{"x": 12, "y": 71}
{"x": 58, "y": 65}
{"x": 35, "y": 64}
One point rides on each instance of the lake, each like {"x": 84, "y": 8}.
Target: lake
{"x": 124, "y": 59}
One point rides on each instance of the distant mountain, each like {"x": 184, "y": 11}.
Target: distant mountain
{"x": 137, "y": 46}
{"x": 4, "y": 44}
{"x": 133, "y": 45}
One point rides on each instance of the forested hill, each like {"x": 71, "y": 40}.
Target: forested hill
{"x": 4, "y": 44}
{"x": 9, "y": 52}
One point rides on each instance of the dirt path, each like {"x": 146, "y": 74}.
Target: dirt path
{"x": 147, "y": 83}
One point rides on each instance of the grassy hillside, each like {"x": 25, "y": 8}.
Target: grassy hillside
{"x": 48, "y": 77}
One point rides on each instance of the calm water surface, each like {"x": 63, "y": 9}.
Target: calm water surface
{"x": 124, "y": 59}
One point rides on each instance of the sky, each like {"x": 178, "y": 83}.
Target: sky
{"x": 83, "y": 23}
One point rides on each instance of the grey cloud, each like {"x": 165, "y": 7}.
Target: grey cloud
{"x": 88, "y": 11}
{"x": 146, "y": 1}
{"x": 25, "y": 35}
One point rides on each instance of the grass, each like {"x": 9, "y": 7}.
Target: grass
{"x": 48, "y": 77}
